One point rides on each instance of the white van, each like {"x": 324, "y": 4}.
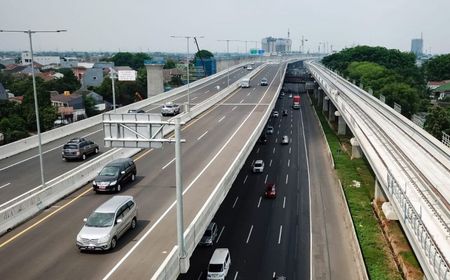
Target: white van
{"x": 245, "y": 83}
{"x": 219, "y": 264}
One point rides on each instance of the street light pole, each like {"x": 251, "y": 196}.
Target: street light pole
{"x": 112, "y": 75}
{"x": 187, "y": 68}
{"x": 36, "y": 106}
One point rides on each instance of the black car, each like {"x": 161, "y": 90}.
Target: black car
{"x": 79, "y": 148}
{"x": 114, "y": 175}
{"x": 136, "y": 111}
{"x": 209, "y": 236}
{"x": 262, "y": 139}
{"x": 285, "y": 113}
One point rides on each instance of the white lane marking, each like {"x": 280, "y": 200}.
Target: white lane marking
{"x": 253, "y": 89}
{"x": 222, "y": 118}
{"x": 242, "y": 101}
{"x": 273, "y": 150}
{"x": 207, "y": 91}
{"x": 257, "y": 150}
{"x": 284, "y": 202}
{"x": 276, "y": 140}
{"x": 235, "y": 276}
{"x": 138, "y": 243}
{"x": 200, "y": 276}
{"x": 249, "y": 93}
{"x": 234, "y": 108}
{"x": 165, "y": 166}
{"x": 57, "y": 147}
{"x": 273, "y": 274}
{"x": 278, "y": 132}
{"x": 265, "y": 180}
{"x": 201, "y": 136}
{"x": 220, "y": 234}
{"x": 270, "y": 163}
{"x": 289, "y": 162}
{"x": 291, "y": 131}
{"x": 291, "y": 126}
{"x": 193, "y": 98}
{"x": 245, "y": 180}
{"x": 289, "y": 150}
{"x": 287, "y": 178}
{"x": 279, "y": 236}
{"x": 249, "y": 234}
{"x": 259, "y": 202}
{"x": 5, "y": 185}
{"x": 279, "y": 125}
{"x": 234, "y": 204}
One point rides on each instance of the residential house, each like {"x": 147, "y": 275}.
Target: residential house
{"x": 442, "y": 92}
{"x": 70, "y": 106}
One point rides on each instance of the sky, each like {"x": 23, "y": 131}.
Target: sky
{"x": 146, "y": 25}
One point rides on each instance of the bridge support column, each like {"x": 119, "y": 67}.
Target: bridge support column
{"x": 331, "y": 113}
{"x": 379, "y": 193}
{"x": 155, "y": 80}
{"x": 319, "y": 96}
{"x": 356, "y": 149}
{"x": 325, "y": 103}
{"x": 342, "y": 126}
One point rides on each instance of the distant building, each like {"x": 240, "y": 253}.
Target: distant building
{"x": 92, "y": 77}
{"x": 442, "y": 92}
{"x": 43, "y": 60}
{"x": 276, "y": 45}
{"x": 69, "y": 62}
{"x": 417, "y": 47}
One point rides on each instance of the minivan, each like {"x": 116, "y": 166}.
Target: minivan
{"x": 209, "y": 235}
{"x": 219, "y": 264}
{"x": 114, "y": 175}
{"x": 108, "y": 223}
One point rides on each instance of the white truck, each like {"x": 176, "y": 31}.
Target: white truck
{"x": 245, "y": 83}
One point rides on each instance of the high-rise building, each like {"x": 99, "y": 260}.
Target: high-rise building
{"x": 276, "y": 45}
{"x": 417, "y": 46}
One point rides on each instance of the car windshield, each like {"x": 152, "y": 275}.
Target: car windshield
{"x": 215, "y": 267}
{"x": 100, "y": 220}
{"x": 109, "y": 171}
{"x": 68, "y": 146}
{"x": 258, "y": 164}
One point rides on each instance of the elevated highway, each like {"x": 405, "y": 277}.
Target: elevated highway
{"x": 411, "y": 166}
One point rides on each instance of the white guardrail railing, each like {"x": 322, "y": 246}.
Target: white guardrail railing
{"x": 51, "y": 135}
{"x": 28, "y": 204}
{"x": 423, "y": 226}
{"x": 170, "y": 268}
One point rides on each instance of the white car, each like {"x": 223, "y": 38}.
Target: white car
{"x": 249, "y": 67}
{"x": 170, "y": 109}
{"x": 275, "y": 114}
{"x": 258, "y": 166}
{"x": 285, "y": 140}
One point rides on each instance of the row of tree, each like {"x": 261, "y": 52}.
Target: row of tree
{"x": 396, "y": 76}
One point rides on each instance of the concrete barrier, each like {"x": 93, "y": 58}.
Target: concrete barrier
{"x": 170, "y": 268}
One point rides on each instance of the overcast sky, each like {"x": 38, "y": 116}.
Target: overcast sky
{"x": 146, "y": 25}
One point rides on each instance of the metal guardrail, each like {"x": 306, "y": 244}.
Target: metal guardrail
{"x": 433, "y": 262}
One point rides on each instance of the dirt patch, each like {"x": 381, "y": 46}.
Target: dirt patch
{"x": 401, "y": 250}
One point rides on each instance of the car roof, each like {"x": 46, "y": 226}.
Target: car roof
{"x": 76, "y": 140}
{"x": 259, "y": 161}
{"x": 113, "y": 203}
{"x": 219, "y": 255}
{"x": 119, "y": 161}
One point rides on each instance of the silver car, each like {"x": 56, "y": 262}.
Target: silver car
{"x": 108, "y": 223}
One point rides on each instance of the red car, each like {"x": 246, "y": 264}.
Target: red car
{"x": 271, "y": 191}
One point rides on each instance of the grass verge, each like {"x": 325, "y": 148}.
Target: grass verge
{"x": 358, "y": 183}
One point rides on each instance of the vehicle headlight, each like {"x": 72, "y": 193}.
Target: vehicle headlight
{"x": 78, "y": 238}
{"x": 104, "y": 239}
{"x": 113, "y": 183}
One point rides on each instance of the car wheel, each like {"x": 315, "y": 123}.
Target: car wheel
{"x": 83, "y": 157}
{"x": 96, "y": 151}
{"x": 133, "y": 177}
{"x": 118, "y": 188}
{"x": 113, "y": 243}
{"x": 133, "y": 223}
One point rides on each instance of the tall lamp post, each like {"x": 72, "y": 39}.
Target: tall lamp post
{"x": 36, "y": 107}
{"x": 228, "y": 58}
{"x": 187, "y": 67}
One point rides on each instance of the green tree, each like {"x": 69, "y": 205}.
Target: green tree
{"x": 402, "y": 94}
{"x": 47, "y": 117}
{"x": 170, "y": 64}
{"x": 135, "y": 60}
{"x": 205, "y": 54}
{"x": 438, "y": 121}
{"x": 13, "y": 128}
{"x": 437, "y": 68}
{"x": 67, "y": 83}
{"x": 89, "y": 105}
